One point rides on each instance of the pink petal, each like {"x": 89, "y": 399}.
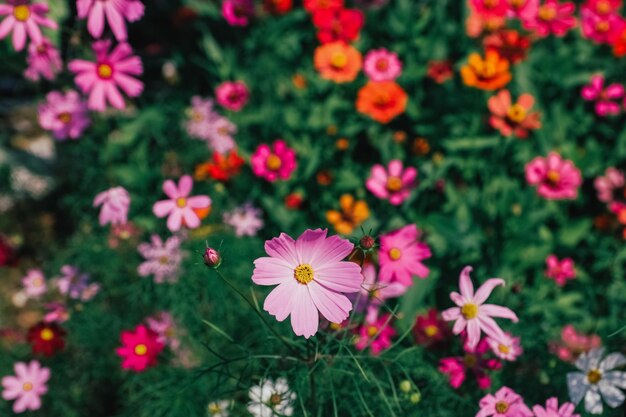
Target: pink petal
{"x": 283, "y": 247}
{"x": 129, "y": 85}
{"x": 342, "y": 276}
{"x": 185, "y": 184}
{"x": 272, "y": 271}
{"x": 34, "y": 33}
{"x": 97, "y": 97}
{"x": 308, "y": 244}
{"x": 459, "y": 325}
{"x": 473, "y": 333}
{"x": 329, "y": 252}
{"x": 199, "y": 201}
{"x": 95, "y": 22}
{"x": 19, "y": 36}
{"x": 452, "y": 313}
{"x": 279, "y": 302}
{"x": 304, "y": 315}
{"x": 333, "y": 306}
{"x": 6, "y": 26}
{"x": 113, "y": 96}
{"x": 395, "y": 168}
{"x": 116, "y": 21}
{"x": 171, "y": 190}
{"x": 485, "y": 290}
{"x": 174, "y": 221}
{"x": 163, "y": 208}
{"x": 191, "y": 218}
{"x": 498, "y": 311}
{"x": 465, "y": 283}
{"x": 490, "y": 327}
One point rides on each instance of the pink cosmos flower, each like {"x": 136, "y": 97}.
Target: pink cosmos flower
{"x": 205, "y": 124}
{"x": 560, "y": 271}
{"x": 472, "y": 314}
{"x": 56, "y": 313}
{"x": 23, "y": 18}
{"x": 375, "y": 334}
{"x": 275, "y": 162}
{"x": 139, "y": 349}
{"x": 605, "y": 97}
{"x": 601, "y": 28}
{"x": 607, "y": 185}
{"x": 401, "y": 255}
{"x": 374, "y": 293}
{"x": 553, "y": 410}
{"x": 393, "y": 184}
{"x": 602, "y": 7}
{"x": 573, "y": 344}
{"x": 489, "y": 8}
{"x": 247, "y": 220}
{"x": 179, "y": 208}
{"x": 552, "y": 17}
{"x": 65, "y": 115}
{"x": 164, "y": 326}
{"x": 382, "y": 65}
{"x": 456, "y": 368}
{"x": 238, "y": 12}
{"x": 115, "y": 203}
{"x": 34, "y": 283}
{"x": 556, "y": 178}
{"x": 311, "y": 276}
{"x": 44, "y": 60}
{"x": 162, "y": 259}
{"x": 507, "y": 348}
{"x": 504, "y": 403}
{"x": 523, "y": 9}
{"x": 115, "y": 12}
{"x": 111, "y": 71}
{"x": 232, "y": 95}
{"x": 27, "y": 386}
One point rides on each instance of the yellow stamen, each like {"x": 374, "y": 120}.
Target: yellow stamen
{"x": 395, "y": 254}
{"x": 273, "y": 162}
{"x": 503, "y": 349}
{"x": 181, "y": 202}
{"x": 275, "y": 399}
{"x": 21, "y": 12}
{"x": 105, "y": 71}
{"x": 394, "y": 184}
{"x": 46, "y": 334}
{"x": 28, "y": 386}
{"x": 469, "y": 311}
{"x": 431, "y": 330}
{"x": 502, "y": 407}
{"x": 490, "y": 3}
{"x": 516, "y": 113}
{"x": 214, "y": 408}
{"x": 303, "y": 273}
{"x": 603, "y": 26}
{"x": 594, "y": 376}
{"x": 372, "y": 330}
{"x": 141, "y": 349}
{"x": 603, "y": 7}
{"x": 338, "y": 60}
{"x": 547, "y": 12}
{"x": 470, "y": 361}
{"x": 65, "y": 117}
{"x": 553, "y": 176}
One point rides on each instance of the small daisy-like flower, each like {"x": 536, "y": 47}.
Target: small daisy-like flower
{"x": 219, "y": 408}
{"x": 353, "y": 213}
{"x": 560, "y": 270}
{"x": 23, "y": 18}
{"x": 338, "y": 62}
{"x": 552, "y": 409}
{"x": 115, "y": 203}
{"x": 114, "y": 12}
{"x": 401, "y": 255}
{"x": 338, "y": 24}
{"x": 556, "y": 178}
{"x": 44, "y": 60}
{"x": 504, "y": 403}
{"x": 488, "y": 73}
{"x": 375, "y": 334}
{"x": 139, "y": 349}
{"x": 275, "y": 162}
{"x": 164, "y": 326}
{"x": 552, "y": 17}
{"x": 574, "y": 343}
{"x": 394, "y": 183}
{"x": 383, "y": 101}
{"x": 232, "y": 95}
{"x": 474, "y": 361}
{"x": 513, "y": 118}
{"x": 34, "y": 283}
{"x": 606, "y": 97}
{"x": 506, "y": 347}
{"x": 27, "y": 386}
{"x": 247, "y": 220}
{"x": 64, "y": 114}
{"x": 180, "y": 209}
{"x": 271, "y": 399}
{"x": 610, "y": 185}
{"x": 430, "y": 329}
{"x": 76, "y": 284}
{"x": 162, "y": 259}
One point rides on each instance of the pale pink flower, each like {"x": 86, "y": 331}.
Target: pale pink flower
{"x": 65, "y": 115}
{"x": 457, "y": 368}
{"x": 161, "y": 259}
{"x": 34, "y": 283}
{"x": 606, "y": 98}
{"x": 573, "y": 344}
{"x": 375, "y": 334}
{"x": 373, "y": 293}
{"x": 556, "y": 178}
{"x": 552, "y": 17}
{"x": 275, "y": 162}
{"x": 311, "y": 277}
{"x": 601, "y": 28}
{"x": 232, "y": 95}
{"x": 504, "y": 403}
{"x": 23, "y": 18}
{"x": 507, "y": 348}
{"x": 115, "y": 203}
{"x": 394, "y": 183}
{"x": 560, "y": 270}
{"x": 179, "y": 208}
{"x": 523, "y": 9}
{"x": 401, "y": 255}
{"x": 111, "y": 71}
{"x": 246, "y": 219}
{"x": 115, "y": 12}
{"x": 472, "y": 314}
{"x": 206, "y": 124}
{"x": 44, "y": 60}
{"x": 238, "y": 12}
{"x": 382, "y": 65}
{"x": 27, "y": 386}
{"x": 553, "y": 410}
{"x": 606, "y": 186}
{"x": 164, "y": 326}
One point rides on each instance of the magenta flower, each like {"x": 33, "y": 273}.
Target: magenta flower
{"x": 180, "y": 208}
{"x": 553, "y": 410}
{"x": 560, "y": 271}
{"x": 523, "y": 9}
{"x": 23, "y": 18}
{"x": 116, "y": 13}
{"x": 247, "y": 220}
{"x": 206, "y": 124}
{"x": 601, "y": 28}
{"x": 602, "y": 7}
{"x": 605, "y": 97}
{"x": 489, "y": 8}
{"x": 507, "y": 348}
{"x": 44, "y": 60}
{"x": 608, "y": 185}
{"x": 394, "y": 184}
{"x": 472, "y": 314}
{"x": 311, "y": 276}
{"x": 505, "y": 403}
{"x": 456, "y": 368}
{"x": 65, "y": 115}
{"x": 552, "y": 17}
{"x": 382, "y": 65}
{"x": 27, "y": 386}
{"x": 165, "y": 328}
{"x": 238, "y": 12}
{"x": 556, "y": 178}
{"x": 374, "y": 293}
{"x": 275, "y": 162}
{"x": 232, "y": 95}
{"x": 76, "y": 284}
{"x": 401, "y": 255}
{"x": 34, "y": 283}
{"x": 162, "y": 259}
{"x": 375, "y": 334}
{"x": 115, "y": 203}
{"x": 113, "y": 71}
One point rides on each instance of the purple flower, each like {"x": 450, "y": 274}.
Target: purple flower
{"x": 246, "y": 220}
{"x": 162, "y": 259}
{"x": 65, "y": 115}
{"x": 75, "y": 284}
{"x": 115, "y": 203}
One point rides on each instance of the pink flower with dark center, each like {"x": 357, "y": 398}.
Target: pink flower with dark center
{"x": 44, "y": 60}
{"x": 23, "y": 18}
{"x": 64, "y": 114}
{"x": 560, "y": 270}
{"x": 610, "y": 186}
{"x": 507, "y": 348}
{"x": 115, "y": 12}
{"x": 555, "y": 178}
{"x": 180, "y": 208}
{"x": 573, "y": 344}
{"x": 382, "y": 65}
{"x": 139, "y": 349}
{"x": 456, "y": 368}
{"x": 161, "y": 259}
{"x": 472, "y": 314}
{"x": 606, "y": 98}
{"x": 553, "y": 410}
{"x": 601, "y": 28}
{"x": 275, "y": 162}
{"x": 401, "y": 255}
{"x": 111, "y": 71}
{"x": 504, "y": 403}
{"x": 523, "y": 9}
{"x": 375, "y": 334}
{"x": 312, "y": 278}
{"x": 115, "y": 203}
{"x": 238, "y": 12}
{"x": 489, "y": 8}
{"x": 232, "y": 95}
{"x": 34, "y": 283}
{"x": 552, "y": 17}
{"x": 27, "y": 386}
{"x": 394, "y": 183}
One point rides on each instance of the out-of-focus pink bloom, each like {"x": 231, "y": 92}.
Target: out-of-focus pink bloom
{"x": 247, "y": 220}
{"x": 556, "y": 178}
{"x": 115, "y": 203}
{"x": 574, "y": 344}
{"x": 472, "y": 314}
{"x": 477, "y": 25}
{"x": 44, "y": 60}
{"x": 373, "y": 292}
{"x": 605, "y": 97}
{"x": 496, "y": 8}
{"x": 123, "y": 233}
{"x": 27, "y": 386}
{"x": 238, "y": 12}
{"x": 232, "y": 95}
{"x": 164, "y": 326}
{"x": 456, "y": 368}
{"x": 56, "y": 313}
{"x": 162, "y": 259}
{"x": 602, "y": 7}
{"x": 401, "y": 255}
{"x": 613, "y": 181}
{"x": 376, "y": 334}
{"x": 275, "y": 162}
{"x": 382, "y": 65}
{"x": 23, "y": 18}
{"x": 430, "y": 329}
{"x": 115, "y": 12}
{"x": 180, "y": 208}
{"x": 112, "y": 71}
{"x": 523, "y": 9}
{"x": 560, "y": 270}
{"x": 139, "y": 349}
{"x": 601, "y": 28}
{"x": 65, "y": 115}
{"x": 394, "y": 183}
{"x": 553, "y": 410}
{"x": 552, "y": 17}
{"x": 507, "y": 348}
{"x": 76, "y": 284}
{"x": 504, "y": 403}
{"x": 34, "y": 283}
{"x": 513, "y": 119}
{"x": 206, "y": 124}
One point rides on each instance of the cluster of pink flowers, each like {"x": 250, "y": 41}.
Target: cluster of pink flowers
{"x": 206, "y": 124}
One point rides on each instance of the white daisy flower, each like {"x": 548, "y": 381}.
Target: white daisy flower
{"x": 598, "y": 380}
{"x": 219, "y": 408}
{"x": 271, "y": 399}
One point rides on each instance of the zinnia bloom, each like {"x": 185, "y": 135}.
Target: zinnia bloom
{"x": 477, "y": 25}
{"x": 513, "y": 119}
{"x": 523, "y": 8}
{"x": 338, "y": 24}
{"x": 34, "y": 283}
{"x": 611, "y": 185}
{"x": 382, "y": 65}
{"x": 552, "y": 17}
{"x": 46, "y": 338}
{"x": 313, "y": 6}
{"x": 456, "y": 368}
{"x": 556, "y": 178}
{"x": 23, "y": 18}
{"x": 246, "y": 219}
{"x": 375, "y": 334}
{"x": 509, "y": 44}
{"x": 401, "y": 255}
{"x": 602, "y": 7}
{"x": 489, "y": 7}
{"x": 115, "y": 12}
{"x": 553, "y": 410}
{"x": 394, "y": 183}
{"x": 489, "y": 73}
{"x": 115, "y": 203}
{"x": 430, "y": 329}
{"x": 271, "y": 399}
{"x": 44, "y": 60}
{"x": 338, "y": 62}
{"x": 180, "y": 209}
{"x": 275, "y": 162}
{"x": 162, "y": 259}
{"x": 27, "y": 386}
{"x": 311, "y": 276}
{"x": 353, "y": 213}
{"x": 383, "y": 101}
{"x": 139, "y": 349}
{"x": 507, "y": 348}
{"x": 504, "y": 403}
{"x": 65, "y": 115}
{"x": 221, "y": 168}
{"x": 601, "y": 28}
{"x": 440, "y": 71}
{"x": 606, "y": 98}
{"x": 112, "y": 71}
{"x": 560, "y": 270}
{"x": 573, "y": 344}
{"x": 232, "y": 95}
{"x": 472, "y": 314}
{"x": 238, "y": 12}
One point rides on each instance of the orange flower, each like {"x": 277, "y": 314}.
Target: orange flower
{"x": 338, "y": 62}
{"x": 490, "y": 73}
{"x": 382, "y": 100}
{"x": 352, "y": 214}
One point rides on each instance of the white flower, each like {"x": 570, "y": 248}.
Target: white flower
{"x": 271, "y": 399}
{"x": 597, "y": 380}
{"x": 219, "y": 408}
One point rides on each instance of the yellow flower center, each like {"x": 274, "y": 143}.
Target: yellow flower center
{"x": 487, "y": 69}
{"x": 21, "y": 12}
{"x": 603, "y": 26}
{"x": 275, "y": 399}
{"x": 303, "y": 273}
{"x": 553, "y": 176}
{"x": 603, "y": 7}
{"x": 502, "y": 407}
{"x": 214, "y": 408}
{"x": 38, "y": 282}
{"x": 372, "y": 330}
{"x": 65, "y": 117}
{"x": 594, "y": 376}
{"x": 547, "y": 12}
{"x": 490, "y": 3}
{"x": 431, "y": 330}
{"x": 504, "y": 348}
{"x": 28, "y": 386}
{"x": 516, "y": 113}
{"x": 163, "y": 260}
{"x": 394, "y": 184}
{"x": 395, "y": 254}
{"x": 338, "y": 60}
{"x": 469, "y": 311}
{"x": 181, "y": 202}
{"x": 105, "y": 71}
{"x": 196, "y": 116}
{"x": 517, "y": 3}
{"x": 382, "y": 64}
{"x": 469, "y": 361}
{"x": 273, "y": 162}
{"x": 46, "y": 334}
{"x": 141, "y": 349}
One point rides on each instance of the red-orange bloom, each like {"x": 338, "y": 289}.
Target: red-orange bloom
{"x": 382, "y": 101}
{"x": 439, "y": 71}
{"x": 510, "y": 44}
{"x": 489, "y": 73}
{"x": 222, "y": 167}
{"x": 338, "y": 62}
{"x": 312, "y": 6}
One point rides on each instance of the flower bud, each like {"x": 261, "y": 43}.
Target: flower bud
{"x": 415, "y": 398}
{"x": 405, "y": 386}
{"x": 212, "y": 258}
{"x": 367, "y": 242}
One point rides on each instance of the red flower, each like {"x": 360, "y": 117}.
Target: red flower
{"x": 294, "y": 201}
{"x": 338, "y": 24}
{"x": 312, "y": 6}
{"x": 7, "y": 253}
{"x": 510, "y": 44}
{"x": 439, "y": 71}
{"x": 222, "y": 168}
{"x": 278, "y": 6}
{"x": 46, "y": 338}
{"x": 430, "y": 329}
{"x": 139, "y": 349}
